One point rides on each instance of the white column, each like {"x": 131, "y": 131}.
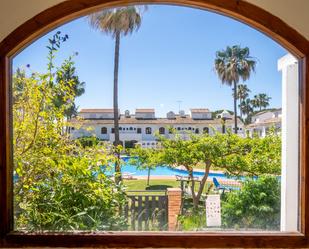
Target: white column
{"x": 290, "y": 121}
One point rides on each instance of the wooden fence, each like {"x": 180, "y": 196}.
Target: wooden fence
{"x": 146, "y": 211}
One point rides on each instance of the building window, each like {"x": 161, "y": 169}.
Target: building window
{"x": 131, "y": 128}
{"x": 197, "y": 131}
{"x": 178, "y": 128}
{"x": 103, "y": 130}
{"x": 206, "y": 130}
{"x": 161, "y": 130}
{"x": 120, "y": 128}
{"x": 148, "y": 130}
{"x": 139, "y": 130}
{"x": 113, "y": 130}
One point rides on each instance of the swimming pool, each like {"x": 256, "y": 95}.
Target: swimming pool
{"x": 166, "y": 171}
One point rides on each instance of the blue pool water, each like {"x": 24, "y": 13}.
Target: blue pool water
{"x": 165, "y": 171}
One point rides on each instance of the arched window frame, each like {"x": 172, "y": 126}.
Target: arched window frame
{"x": 241, "y": 10}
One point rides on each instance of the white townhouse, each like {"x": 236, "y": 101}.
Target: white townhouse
{"x": 142, "y": 126}
{"x": 263, "y": 121}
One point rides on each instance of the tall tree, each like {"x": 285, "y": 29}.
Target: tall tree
{"x": 261, "y": 101}
{"x": 117, "y": 22}
{"x": 242, "y": 93}
{"x": 231, "y": 65}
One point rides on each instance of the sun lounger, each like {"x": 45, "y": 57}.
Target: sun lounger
{"x": 220, "y": 187}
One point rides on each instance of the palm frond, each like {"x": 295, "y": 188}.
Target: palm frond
{"x": 122, "y": 20}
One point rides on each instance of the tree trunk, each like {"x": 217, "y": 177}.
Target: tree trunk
{"x": 223, "y": 125}
{"x": 195, "y": 200}
{"x": 235, "y": 107}
{"x": 204, "y": 179}
{"x": 148, "y": 177}
{"x": 116, "y": 114}
{"x": 196, "y": 197}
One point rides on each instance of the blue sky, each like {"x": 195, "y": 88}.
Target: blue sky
{"x": 169, "y": 59}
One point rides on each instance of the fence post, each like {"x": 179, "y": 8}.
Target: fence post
{"x": 174, "y": 205}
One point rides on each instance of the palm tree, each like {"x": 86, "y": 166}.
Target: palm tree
{"x": 242, "y": 94}
{"x": 261, "y": 101}
{"x": 117, "y": 22}
{"x": 246, "y": 108}
{"x": 255, "y": 102}
{"x": 231, "y": 65}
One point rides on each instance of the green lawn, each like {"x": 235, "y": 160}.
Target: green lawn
{"x": 156, "y": 184}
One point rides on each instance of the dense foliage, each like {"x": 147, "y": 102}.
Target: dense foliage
{"x": 235, "y": 155}
{"x": 255, "y": 206}
{"x": 58, "y": 183}
{"x": 89, "y": 141}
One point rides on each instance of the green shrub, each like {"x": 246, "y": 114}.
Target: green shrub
{"x": 68, "y": 192}
{"x": 255, "y": 206}
{"x": 192, "y": 219}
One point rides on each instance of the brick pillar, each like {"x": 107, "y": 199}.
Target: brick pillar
{"x": 174, "y": 205}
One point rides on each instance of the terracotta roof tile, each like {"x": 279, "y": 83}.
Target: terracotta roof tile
{"x": 164, "y": 121}
{"x": 96, "y": 110}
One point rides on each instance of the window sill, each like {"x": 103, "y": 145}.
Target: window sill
{"x": 157, "y": 239}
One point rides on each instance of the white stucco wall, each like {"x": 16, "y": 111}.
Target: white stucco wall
{"x": 198, "y": 115}
{"x": 145, "y": 115}
{"x": 262, "y": 117}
